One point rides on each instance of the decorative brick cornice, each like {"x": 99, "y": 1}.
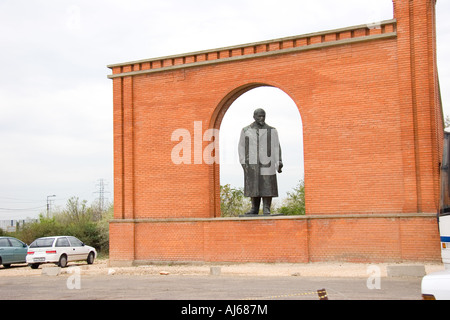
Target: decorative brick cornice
{"x": 361, "y": 33}
{"x": 299, "y": 217}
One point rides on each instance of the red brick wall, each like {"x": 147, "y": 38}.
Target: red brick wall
{"x": 375, "y": 239}
{"x": 372, "y": 125}
{"x": 221, "y": 240}
{"x": 355, "y": 238}
{"x": 121, "y": 241}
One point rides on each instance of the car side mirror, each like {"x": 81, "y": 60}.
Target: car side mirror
{"x": 25, "y": 245}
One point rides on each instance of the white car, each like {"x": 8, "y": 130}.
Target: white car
{"x": 436, "y": 286}
{"x": 59, "y": 250}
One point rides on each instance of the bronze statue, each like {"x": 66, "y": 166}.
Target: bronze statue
{"x": 260, "y": 157}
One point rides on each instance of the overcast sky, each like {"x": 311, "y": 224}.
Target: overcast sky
{"x": 56, "y": 101}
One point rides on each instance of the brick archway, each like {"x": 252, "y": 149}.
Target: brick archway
{"x": 216, "y": 121}
{"x": 369, "y": 100}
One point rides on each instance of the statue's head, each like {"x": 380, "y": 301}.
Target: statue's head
{"x": 260, "y": 116}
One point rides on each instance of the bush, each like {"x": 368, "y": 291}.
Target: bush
{"x": 294, "y": 204}
{"x": 74, "y": 220}
{"x": 232, "y": 201}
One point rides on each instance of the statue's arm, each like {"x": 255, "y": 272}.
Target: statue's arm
{"x": 241, "y": 148}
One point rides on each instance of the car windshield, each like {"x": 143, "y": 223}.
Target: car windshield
{"x": 43, "y": 242}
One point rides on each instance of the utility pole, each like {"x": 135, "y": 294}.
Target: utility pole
{"x": 48, "y": 204}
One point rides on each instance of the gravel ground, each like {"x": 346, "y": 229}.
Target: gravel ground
{"x": 317, "y": 269}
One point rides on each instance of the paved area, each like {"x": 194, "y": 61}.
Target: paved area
{"x": 316, "y": 269}
{"x": 122, "y": 287}
{"x": 218, "y": 291}
{"x": 194, "y": 282}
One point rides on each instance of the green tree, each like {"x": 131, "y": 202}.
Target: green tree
{"x": 103, "y": 228}
{"x": 76, "y": 211}
{"x": 76, "y": 219}
{"x": 232, "y": 201}
{"x": 294, "y": 204}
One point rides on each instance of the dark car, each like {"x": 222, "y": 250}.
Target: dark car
{"x": 12, "y": 250}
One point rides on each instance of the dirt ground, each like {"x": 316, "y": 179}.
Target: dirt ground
{"x": 317, "y": 269}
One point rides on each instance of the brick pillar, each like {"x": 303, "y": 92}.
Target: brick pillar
{"x": 121, "y": 243}
{"x": 419, "y": 103}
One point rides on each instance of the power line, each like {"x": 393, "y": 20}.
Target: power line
{"x": 15, "y": 198}
{"x": 18, "y": 200}
{"x": 17, "y": 209}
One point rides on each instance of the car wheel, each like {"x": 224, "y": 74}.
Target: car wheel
{"x": 34, "y": 265}
{"x": 7, "y": 265}
{"x": 90, "y": 258}
{"x": 62, "y": 261}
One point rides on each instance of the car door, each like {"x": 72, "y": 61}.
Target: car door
{"x": 80, "y": 252}
{"x": 62, "y": 245}
{"x": 6, "y": 252}
{"x": 19, "y": 250}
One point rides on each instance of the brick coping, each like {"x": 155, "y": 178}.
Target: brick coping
{"x": 302, "y": 217}
{"x": 360, "y": 33}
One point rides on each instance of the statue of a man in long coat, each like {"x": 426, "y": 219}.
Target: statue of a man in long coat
{"x": 260, "y": 157}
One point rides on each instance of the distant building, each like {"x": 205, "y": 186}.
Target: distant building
{"x": 11, "y": 225}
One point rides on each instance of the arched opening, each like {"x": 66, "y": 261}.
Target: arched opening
{"x": 281, "y": 113}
